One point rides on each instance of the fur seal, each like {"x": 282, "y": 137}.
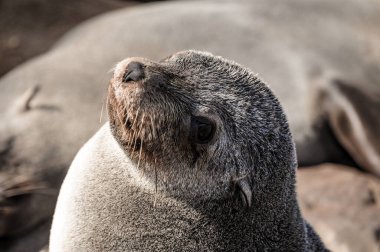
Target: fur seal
{"x": 197, "y": 156}
{"x": 280, "y": 39}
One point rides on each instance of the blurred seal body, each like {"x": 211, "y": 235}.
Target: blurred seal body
{"x": 197, "y": 156}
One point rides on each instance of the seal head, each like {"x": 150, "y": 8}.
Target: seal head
{"x": 204, "y": 123}
{"x": 209, "y": 132}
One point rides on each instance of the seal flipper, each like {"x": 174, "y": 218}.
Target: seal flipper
{"x": 23, "y": 103}
{"x": 353, "y": 115}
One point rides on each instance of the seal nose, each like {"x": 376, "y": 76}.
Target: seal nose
{"x": 134, "y": 72}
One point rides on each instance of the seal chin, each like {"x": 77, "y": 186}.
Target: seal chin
{"x": 123, "y": 122}
{"x": 133, "y": 124}
{"x": 141, "y": 107}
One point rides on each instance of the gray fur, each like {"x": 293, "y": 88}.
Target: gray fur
{"x": 171, "y": 194}
{"x": 290, "y": 43}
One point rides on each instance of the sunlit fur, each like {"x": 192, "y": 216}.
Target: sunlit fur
{"x": 165, "y": 192}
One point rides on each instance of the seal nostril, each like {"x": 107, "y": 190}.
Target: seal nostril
{"x": 134, "y": 72}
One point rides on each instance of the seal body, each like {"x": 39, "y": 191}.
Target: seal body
{"x": 197, "y": 155}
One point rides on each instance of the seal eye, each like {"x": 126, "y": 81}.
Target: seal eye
{"x": 202, "y": 130}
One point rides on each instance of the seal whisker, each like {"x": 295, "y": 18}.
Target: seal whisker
{"x": 112, "y": 69}
{"x": 135, "y": 119}
{"x": 131, "y": 136}
{"x": 138, "y": 163}
{"x": 141, "y": 141}
{"x": 155, "y": 182}
{"x": 125, "y": 100}
{"x": 142, "y": 130}
{"x": 136, "y": 138}
{"x": 135, "y": 132}
{"x": 120, "y": 117}
{"x": 105, "y": 98}
{"x": 154, "y": 135}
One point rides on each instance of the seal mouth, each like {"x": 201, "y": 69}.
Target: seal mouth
{"x": 144, "y": 107}
{"x": 123, "y": 99}
{"x": 130, "y": 114}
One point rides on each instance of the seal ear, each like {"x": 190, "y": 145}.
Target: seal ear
{"x": 22, "y": 104}
{"x": 354, "y": 116}
{"x": 245, "y": 191}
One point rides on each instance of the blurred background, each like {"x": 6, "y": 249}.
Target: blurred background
{"x": 322, "y": 58}
{"x": 30, "y": 27}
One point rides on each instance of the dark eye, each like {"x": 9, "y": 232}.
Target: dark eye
{"x": 202, "y": 130}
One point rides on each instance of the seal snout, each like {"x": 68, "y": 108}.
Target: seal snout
{"x": 134, "y": 72}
